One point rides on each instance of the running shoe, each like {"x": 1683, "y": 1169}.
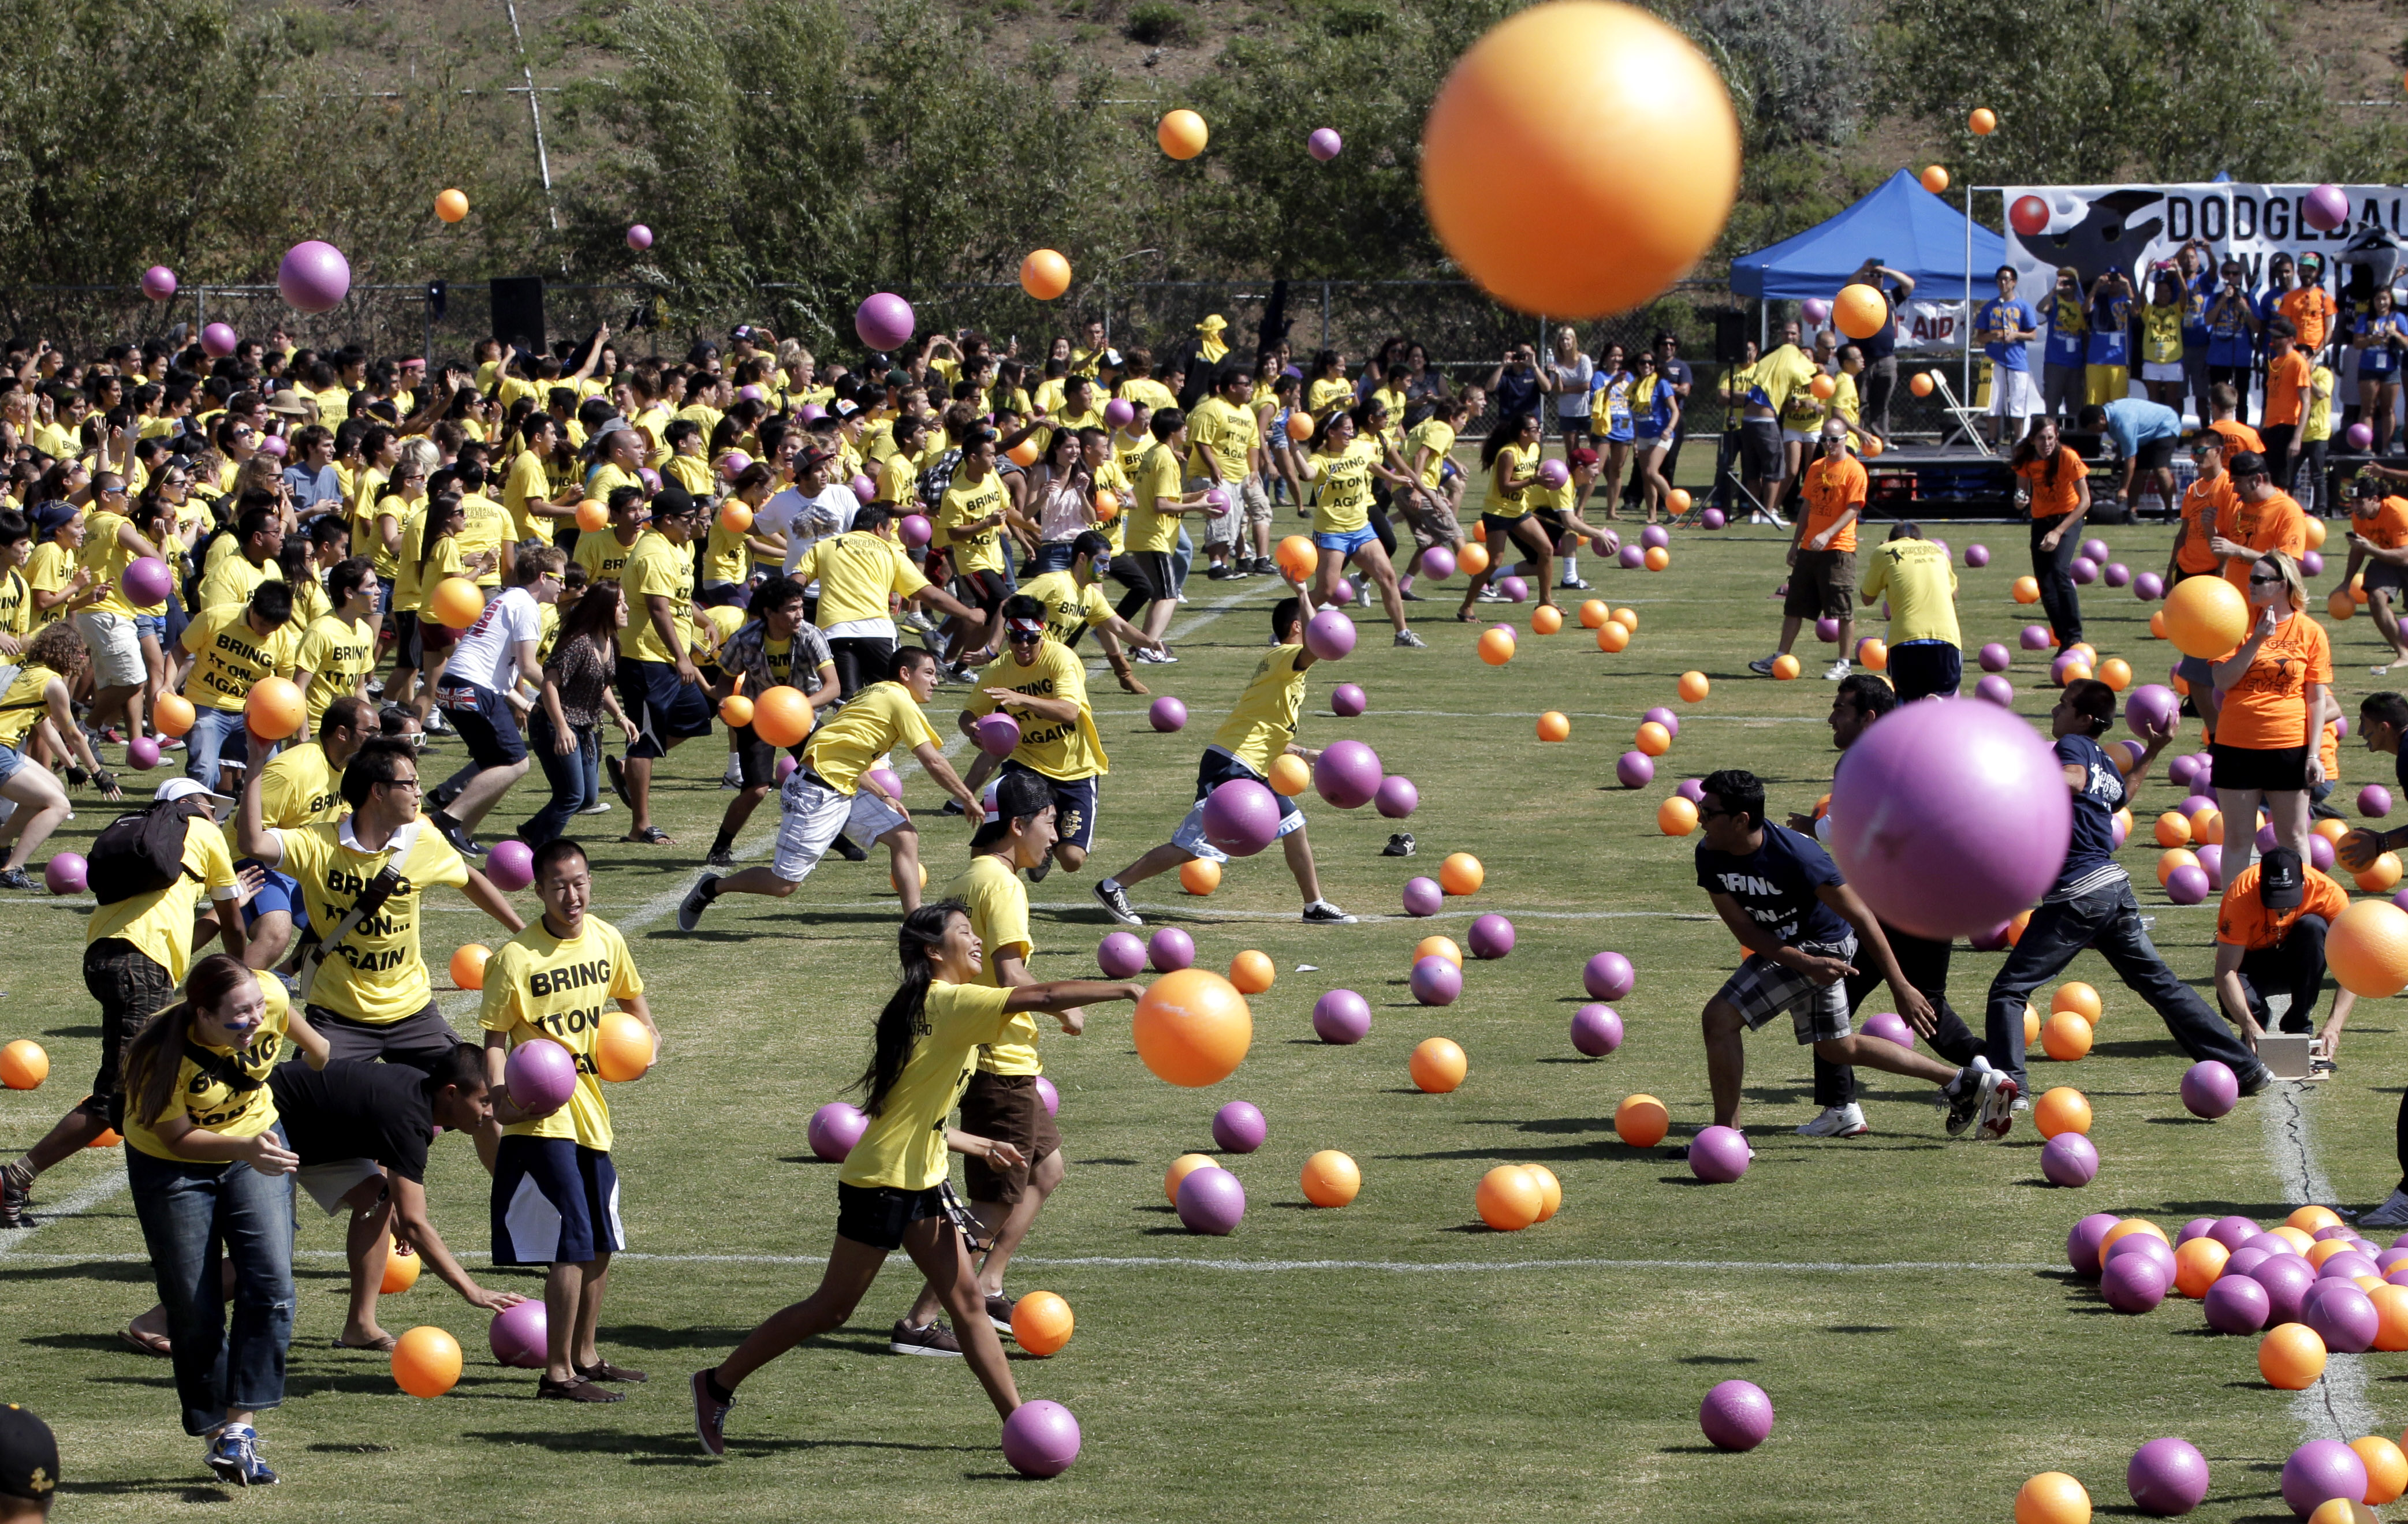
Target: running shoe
{"x": 1406, "y": 638}
{"x": 998, "y": 1311}
{"x": 1838, "y": 669}
{"x": 1322, "y": 913}
{"x": 848, "y": 849}
{"x": 936, "y": 1339}
{"x": 2393, "y": 1213}
{"x": 1115, "y": 902}
{"x": 234, "y": 1455}
{"x": 1965, "y": 1095}
{"x": 602, "y": 1370}
{"x": 1998, "y": 1107}
{"x": 599, "y": 807}
{"x": 710, "y": 1415}
{"x": 16, "y": 1203}
{"x": 1574, "y": 584}
{"x": 458, "y": 834}
{"x": 1409, "y": 596}
{"x": 1846, "y": 1121}
{"x": 1761, "y": 667}
{"x": 696, "y": 901}
{"x": 1400, "y": 845}
{"x": 719, "y": 858}
{"x": 15, "y": 878}
{"x": 1044, "y": 865}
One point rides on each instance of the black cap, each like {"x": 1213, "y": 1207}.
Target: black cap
{"x": 2279, "y": 884}
{"x": 672, "y": 502}
{"x": 29, "y": 1456}
{"x": 2248, "y": 464}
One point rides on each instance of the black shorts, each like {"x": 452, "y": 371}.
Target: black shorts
{"x": 2382, "y": 576}
{"x": 485, "y": 720}
{"x": 420, "y": 1041}
{"x": 2154, "y": 455}
{"x": 1761, "y": 456}
{"x": 877, "y": 1216}
{"x": 718, "y": 594}
{"x": 1074, "y": 805}
{"x": 757, "y": 760}
{"x": 860, "y": 660}
{"x": 665, "y": 710}
{"x": 1153, "y": 568}
{"x": 1921, "y": 668}
{"x": 1006, "y": 1108}
{"x": 983, "y": 590}
{"x": 132, "y": 987}
{"x": 2278, "y": 771}
{"x": 406, "y": 651}
{"x": 1823, "y": 584}
{"x": 1552, "y": 521}
{"x": 1500, "y": 541}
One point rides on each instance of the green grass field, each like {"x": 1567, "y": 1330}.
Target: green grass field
{"x": 1902, "y": 1298}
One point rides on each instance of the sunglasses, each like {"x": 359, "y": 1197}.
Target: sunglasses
{"x": 2256, "y": 578}
{"x": 1020, "y": 637}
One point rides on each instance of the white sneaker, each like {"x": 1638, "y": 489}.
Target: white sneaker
{"x": 1839, "y": 670}
{"x": 1846, "y": 1121}
{"x": 2393, "y": 1213}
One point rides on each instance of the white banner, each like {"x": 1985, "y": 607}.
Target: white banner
{"x": 1931, "y": 326}
{"x": 2098, "y": 228}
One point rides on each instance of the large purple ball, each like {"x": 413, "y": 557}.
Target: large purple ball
{"x": 2148, "y": 587}
{"x": 834, "y": 1130}
{"x": 2326, "y": 208}
{"x": 1736, "y": 1416}
{"x": 2320, "y": 1471}
{"x": 1693, "y": 789}
{"x": 1513, "y": 589}
{"x": 1889, "y": 1027}
{"x": 1325, "y": 144}
{"x": 1437, "y": 563}
{"x": 1996, "y": 657}
{"x": 511, "y": 864}
{"x": 2210, "y": 861}
{"x": 142, "y": 754}
{"x": 2287, "y": 1278}
{"x": 1918, "y": 808}
{"x": 1714, "y": 519}
{"x": 2034, "y": 637}
{"x": 2147, "y": 1245}
{"x": 1826, "y": 630}
{"x": 2131, "y": 1283}
{"x": 2083, "y": 571}
{"x": 2374, "y": 801}
{"x": 147, "y": 581}
{"x": 915, "y": 530}
{"x": 2116, "y": 573}
{"x": 2095, "y": 549}
{"x": 2081, "y": 1242}
{"x": 1996, "y": 690}
{"x": 1977, "y": 555}
{"x": 1662, "y": 716}
{"x": 1634, "y": 769}
{"x": 1212, "y": 1206}
{"x": 1342, "y": 1016}
{"x": 1041, "y": 1438}
{"x": 67, "y": 873}
{"x": 2149, "y": 708}
{"x": 2233, "y": 1231}
{"x": 1329, "y": 635}
{"x": 1491, "y": 936}
{"x": 519, "y": 1336}
{"x": 1423, "y": 897}
{"x": 639, "y": 237}
{"x": 1169, "y": 950}
{"x": 314, "y": 277}
{"x": 2183, "y": 771}
{"x": 1120, "y": 955}
{"x": 2167, "y": 1476}
{"x": 2320, "y": 853}
{"x": 1597, "y": 1030}
{"x": 2071, "y": 1159}
{"x": 2209, "y": 1088}
{"x": 541, "y": 1076}
{"x": 1609, "y": 976}
{"x": 1718, "y": 1155}
{"x": 219, "y": 340}
{"x": 1347, "y": 774}
{"x": 2312, "y": 562}
{"x": 1239, "y": 1127}
{"x": 883, "y": 322}
{"x": 1166, "y": 713}
{"x": 1242, "y": 817}
{"x": 1052, "y": 1097}
{"x": 1655, "y": 535}
{"x": 1346, "y": 701}
{"x": 1436, "y": 981}
{"x": 2347, "y": 1265}
{"x": 2237, "y": 1303}
{"x": 1398, "y": 798}
{"x": 1632, "y": 557}
{"x": 997, "y": 735}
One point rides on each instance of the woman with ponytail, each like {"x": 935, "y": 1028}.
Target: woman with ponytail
{"x": 207, "y": 1163}
{"x": 892, "y": 1192}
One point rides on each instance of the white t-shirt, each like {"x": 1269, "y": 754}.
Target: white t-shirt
{"x": 1571, "y": 385}
{"x": 487, "y": 654}
{"x": 806, "y": 520}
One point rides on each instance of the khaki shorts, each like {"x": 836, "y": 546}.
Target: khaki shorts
{"x": 115, "y": 647}
{"x": 1220, "y": 529}
{"x": 1008, "y": 1109}
{"x": 329, "y": 1182}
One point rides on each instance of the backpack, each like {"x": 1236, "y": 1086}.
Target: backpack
{"x": 141, "y": 853}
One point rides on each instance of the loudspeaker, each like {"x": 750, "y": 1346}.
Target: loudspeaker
{"x": 1730, "y": 337}
{"x": 518, "y": 312}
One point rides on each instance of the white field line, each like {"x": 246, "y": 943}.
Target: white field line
{"x": 2336, "y": 1407}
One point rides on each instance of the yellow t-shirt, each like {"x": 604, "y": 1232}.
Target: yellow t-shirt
{"x": 1157, "y": 478}
{"x": 606, "y": 479}
{"x": 725, "y": 557}
{"x": 16, "y": 603}
{"x": 691, "y": 472}
{"x": 966, "y": 502}
{"x": 1068, "y": 607}
{"x": 1342, "y": 490}
{"x": 233, "y": 579}
{"x": 1439, "y": 435}
{"x": 488, "y": 528}
{"x": 605, "y": 558}
{"x": 301, "y": 788}
{"x": 1109, "y": 478}
{"x": 107, "y": 559}
{"x": 898, "y": 481}
{"x": 856, "y": 572}
{"x": 904, "y": 1149}
{"x": 1505, "y": 500}
{"x": 369, "y": 531}
{"x": 22, "y": 706}
{"x": 657, "y": 569}
{"x": 1921, "y": 585}
{"x": 998, "y": 903}
{"x": 49, "y": 569}
{"x": 1146, "y": 391}
{"x": 443, "y": 562}
{"x": 654, "y": 422}
{"x": 1067, "y": 749}
{"x": 881, "y": 718}
{"x": 1227, "y": 433}
{"x": 337, "y": 654}
{"x": 1321, "y": 396}
{"x": 160, "y": 924}
{"x": 2319, "y": 424}
{"x": 231, "y": 656}
{"x": 538, "y": 986}
{"x": 231, "y": 1096}
{"x": 716, "y": 626}
{"x": 377, "y": 974}
{"x": 528, "y": 481}
{"x": 1264, "y": 721}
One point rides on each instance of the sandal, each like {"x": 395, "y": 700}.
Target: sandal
{"x": 378, "y": 1346}
{"x": 156, "y": 1345}
{"x": 651, "y": 835}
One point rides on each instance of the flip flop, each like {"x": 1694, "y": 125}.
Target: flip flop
{"x": 156, "y": 1345}
{"x": 651, "y": 835}
{"x": 380, "y": 1346}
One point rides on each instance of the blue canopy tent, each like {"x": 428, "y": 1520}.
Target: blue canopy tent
{"x": 1904, "y": 225}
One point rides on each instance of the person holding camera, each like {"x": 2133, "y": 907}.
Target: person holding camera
{"x": 2107, "y": 354}
{"x": 2232, "y": 324}
{"x": 2068, "y": 316}
{"x": 2381, "y": 338}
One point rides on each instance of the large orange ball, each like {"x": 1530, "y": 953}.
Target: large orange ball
{"x": 1438, "y": 947}
{"x": 1045, "y": 275}
{"x": 2065, "y": 1037}
{"x": 1676, "y": 817}
{"x": 401, "y": 1271}
{"x": 1192, "y": 1028}
{"x": 2367, "y": 948}
{"x": 1461, "y": 873}
{"x": 1873, "y": 655}
{"x": 1508, "y": 1200}
{"x": 1551, "y": 1190}
{"x": 2175, "y": 857}
{"x": 2061, "y": 1109}
{"x": 1934, "y": 178}
{"x": 2207, "y": 826}
{"x": 1023, "y": 453}
{"x": 1823, "y": 386}
{"x": 1984, "y": 122}
{"x": 24, "y": 1064}
{"x": 782, "y": 716}
{"x": 1921, "y": 383}
{"x": 2052, "y": 1498}
{"x": 1041, "y": 1323}
{"x": 1199, "y": 876}
{"x": 1181, "y": 133}
{"x": 1859, "y": 310}
{"x": 2386, "y": 1467}
{"x": 2391, "y": 1306}
{"x": 735, "y": 516}
{"x": 1593, "y": 614}
{"x": 1612, "y": 637}
{"x": 2026, "y": 590}
{"x": 2290, "y": 1357}
{"x": 1642, "y": 1121}
{"x": 736, "y": 710}
{"x": 2127, "y": 1229}
{"x": 1472, "y": 560}
{"x": 2341, "y": 606}
{"x": 1786, "y": 668}
{"x": 1555, "y": 725}
{"x": 2315, "y": 533}
{"x": 2379, "y": 875}
{"x": 173, "y": 714}
{"x": 455, "y": 602}
{"x": 1656, "y": 558}
{"x": 1332, "y": 1179}
{"x": 1653, "y": 739}
{"x": 468, "y": 966}
{"x": 426, "y": 1361}
{"x": 1495, "y": 647}
{"x": 1694, "y": 687}
{"x": 2080, "y": 998}
{"x": 1290, "y": 775}
{"x": 2197, "y": 1264}
{"x": 1619, "y": 134}
{"x": 2206, "y": 616}
{"x": 2115, "y": 672}
{"x": 1180, "y": 1168}
{"x": 623, "y": 1049}
{"x": 592, "y": 516}
{"x": 451, "y": 205}
{"x": 1251, "y": 973}
{"x": 1299, "y": 425}
{"x": 1546, "y": 620}
{"x": 1436, "y": 1066}
{"x": 1678, "y": 500}
{"x": 1298, "y": 558}
{"x": 2172, "y": 829}
{"x": 272, "y": 710}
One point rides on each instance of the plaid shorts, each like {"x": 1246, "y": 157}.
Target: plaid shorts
{"x": 1762, "y": 988}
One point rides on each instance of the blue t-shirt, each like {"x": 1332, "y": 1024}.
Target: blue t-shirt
{"x": 1884, "y": 342}
{"x": 2377, "y": 359}
{"x": 1659, "y": 403}
{"x": 2111, "y": 331}
{"x": 2133, "y": 421}
{"x": 2201, "y": 291}
{"x": 2068, "y": 330}
{"x": 1517, "y": 391}
{"x": 2229, "y": 342}
{"x": 2005, "y": 314}
{"x": 2090, "y": 853}
{"x": 1776, "y": 883}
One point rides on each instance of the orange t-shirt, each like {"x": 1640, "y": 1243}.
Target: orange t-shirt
{"x": 2286, "y": 388}
{"x": 2267, "y": 710}
{"x": 2276, "y": 524}
{"x": 1832, "y": 487}
{"x": 2386, "y": 527}
{"x": 2202, "y": 507}
{"x": 2312, "y": 310}
{"x": 2242, "y": 919}
{"x": 2052, "y": 502}
{"x": 2238, "y": 437}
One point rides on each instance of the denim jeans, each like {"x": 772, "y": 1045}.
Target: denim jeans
{"x": 2108, "y": 922}
{"x": 1181, "y": 560}
{"x": 216, "y": 733}
{"x": 575, "y": 776}
{"x": 193, "y": 1215}
{"x": 1051, "y": 556}
{"x": 2053, "y": 571}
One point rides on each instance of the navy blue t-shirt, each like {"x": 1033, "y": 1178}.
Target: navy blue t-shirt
{"x": 2090, "y": 854}
{"x": 1776, "y": 883}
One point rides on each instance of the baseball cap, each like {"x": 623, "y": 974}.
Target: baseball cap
{"x": 2280, "y": 886}
{"x": 2248, "y": 464}
{"x": 1584, "y": 456}
{"x": 813, "y": 457}
{"x": 52, "y": 517}
{"x": 184, "y": 788}
{"x": 1025, "y": 627}
{"x": 29, "y": 1456}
